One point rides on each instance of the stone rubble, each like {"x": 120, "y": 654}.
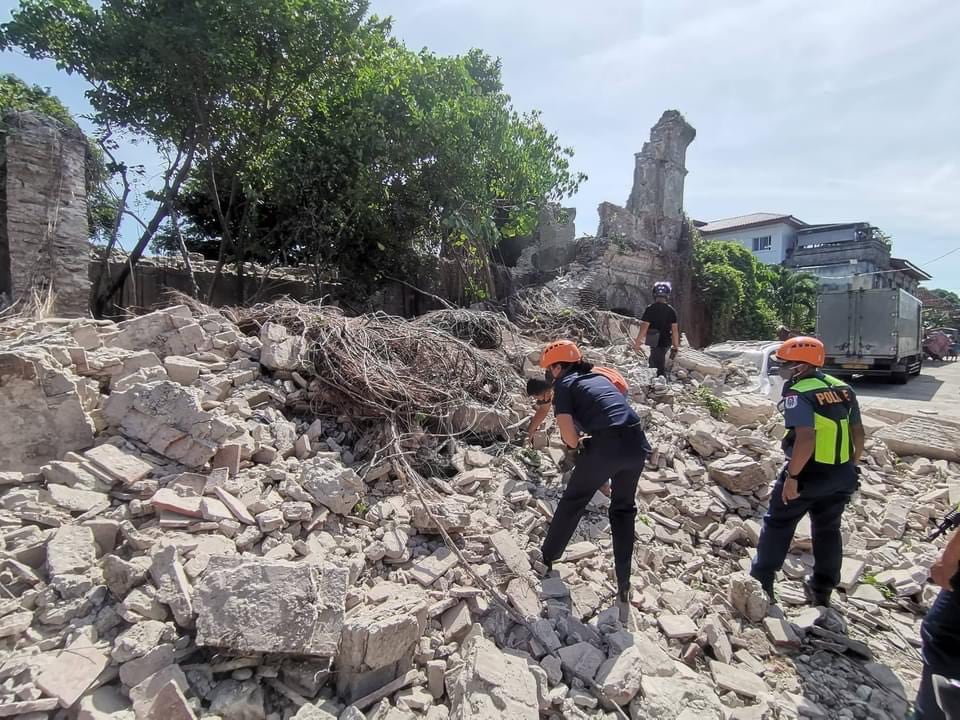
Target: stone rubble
{"x": 184, "y": 538}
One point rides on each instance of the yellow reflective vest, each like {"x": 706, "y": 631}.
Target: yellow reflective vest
{"x": 831, "y": 400}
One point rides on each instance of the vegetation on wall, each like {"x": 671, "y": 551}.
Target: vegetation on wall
{"x": 748, "y": 300}
{"x": 301, "y": 131}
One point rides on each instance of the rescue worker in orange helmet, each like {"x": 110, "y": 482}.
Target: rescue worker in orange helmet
{"x": 594, "y": 417}
{"x": 823, "y": 444}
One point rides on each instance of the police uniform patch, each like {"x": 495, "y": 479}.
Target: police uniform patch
{"x": 790, "y": 402}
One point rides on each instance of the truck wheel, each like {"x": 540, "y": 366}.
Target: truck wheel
{"x": 900, "y": 378}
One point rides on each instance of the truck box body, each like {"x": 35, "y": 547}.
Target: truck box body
{"x": 871, "y": 332}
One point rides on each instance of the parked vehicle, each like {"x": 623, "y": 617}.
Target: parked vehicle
{"x": 871, "y": 332}
{"x": 759, "y": 356}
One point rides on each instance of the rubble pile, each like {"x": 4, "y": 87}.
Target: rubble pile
{"x": 196, "y": 523}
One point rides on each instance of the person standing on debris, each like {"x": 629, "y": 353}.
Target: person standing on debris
{"x": 940, "y": 633}
{"x": 823, "y": 444}
{"x": 662, "y": 319}
{"x": 595, "y": 418}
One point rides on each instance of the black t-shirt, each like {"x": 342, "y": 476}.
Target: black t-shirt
{"x": 593, "y": 401}
{"x": 662, "y": 317}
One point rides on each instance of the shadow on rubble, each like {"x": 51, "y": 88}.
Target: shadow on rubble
{"x": 839, "y": 679}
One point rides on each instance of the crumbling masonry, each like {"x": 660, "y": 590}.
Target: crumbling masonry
{"x": 43, "y": 211}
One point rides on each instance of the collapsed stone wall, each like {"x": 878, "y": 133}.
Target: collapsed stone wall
{"x": 635, "y": 246}
{"x": 43, "y": 211}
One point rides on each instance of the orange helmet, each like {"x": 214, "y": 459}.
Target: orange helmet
{"x": 802, "y": 349}
{"x": 561, "y": 351}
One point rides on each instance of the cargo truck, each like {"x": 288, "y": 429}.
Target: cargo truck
{"x": 871, "y": 332}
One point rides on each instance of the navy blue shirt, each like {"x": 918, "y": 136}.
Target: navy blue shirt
{"x": 593, "y": 401}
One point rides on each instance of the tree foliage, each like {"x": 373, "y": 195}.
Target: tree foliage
{"x": 15, "y": 94}
{"x": 302, "y": 131}
{"x": 748, "y": 299}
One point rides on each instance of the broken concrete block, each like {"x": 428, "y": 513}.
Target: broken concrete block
{"x": 70, "y": 550}
{"x": 738, "y": 473}
{"x": 582, "y": 660}
{"x": 167, "y": 499}
{"x": 169, "y": 703}
{"x": 136, "y": 671}
{"x": 924, "y": 437}
{"x": 375, "y": 636}
{"x": 332, "y": 484}
{"x": 75, "y": 500}
{"x": 748, "y": 409}
{"x": 69, "y": 673}
{"x": 676, "y": 697}
{"x": 513, "y": 557}
{"x": 173, "y": 588}
{"x": 747, "y": 597}
{"x": 182, "y": 370}
{"x": 170, "y": 419}
{"x": 280, "y": 350}
{"x": 619, "y": 677}
{"x": 43, "y": 410}
{"x": 242, "y": 700}
{"x": 428, "y": 570}
{"x": 696, "y": 361}
{"x": 120, "y": 465}
{"x": 270, "y": 606}
{"x": 677, "y": 627}
{"x": 742, "y": 682}
{"x": 492, "y": 684}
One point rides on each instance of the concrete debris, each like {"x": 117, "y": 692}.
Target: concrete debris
{"x": 270, "y": 606}
{"x": 747, "y": 597}
{"x": 184, "y": 538}
{"x": 493, "y": 683}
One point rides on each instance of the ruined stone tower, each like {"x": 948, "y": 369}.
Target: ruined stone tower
{"x": 43, "y": 211}
{"x": 658, "y": 177}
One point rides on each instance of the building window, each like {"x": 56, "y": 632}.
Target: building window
{"x": 762, "y": 243}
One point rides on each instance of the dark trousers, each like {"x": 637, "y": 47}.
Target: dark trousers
{"x": 658, "y": 359}
{"x": 940, "y": 633}
{"x": 617, "y": 455}
{"x": 825, "y": 500}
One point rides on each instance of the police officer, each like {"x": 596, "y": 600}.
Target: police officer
{"x": 823, "y": 445}
{"x": 594, "y": 417}
{"x": 662, "y": 319}
{"x": 940, "y": 632}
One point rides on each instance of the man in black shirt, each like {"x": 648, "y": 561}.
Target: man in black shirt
{"x": 662, "y": 319}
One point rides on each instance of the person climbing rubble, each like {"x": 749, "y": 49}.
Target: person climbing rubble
{"x": 594, "y": 417}
{"x": 823, "y": 444}
{"x": 541, "y": 391}
{"x": 940, "y": 635}
{"x": 659, "y": 325}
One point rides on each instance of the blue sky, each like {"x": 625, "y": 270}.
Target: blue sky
{"x": 829, "y": 111}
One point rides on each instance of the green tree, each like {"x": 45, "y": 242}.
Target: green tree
{"x": 793, "y": 297}
{"x": 737, "y": 287}
{"x": 15, "y": 94}
{"x": 413, "y": 156}
{"x": 217, "y": 81}
{"x": 302, "y": 129}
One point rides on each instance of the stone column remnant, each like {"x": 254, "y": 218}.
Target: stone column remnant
{"x": 43, "y": 211}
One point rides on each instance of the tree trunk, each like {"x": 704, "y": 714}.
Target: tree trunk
{"x": 172, "y": 187}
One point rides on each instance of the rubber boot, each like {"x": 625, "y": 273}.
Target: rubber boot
{"x": 623, "y": 604}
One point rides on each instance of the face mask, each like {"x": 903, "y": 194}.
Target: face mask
{"x": 788, "y": 371}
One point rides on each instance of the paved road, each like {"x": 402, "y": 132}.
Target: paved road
{"x": 935, "y": 391}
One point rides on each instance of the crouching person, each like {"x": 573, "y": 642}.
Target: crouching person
{"x": 594, "y": 416}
